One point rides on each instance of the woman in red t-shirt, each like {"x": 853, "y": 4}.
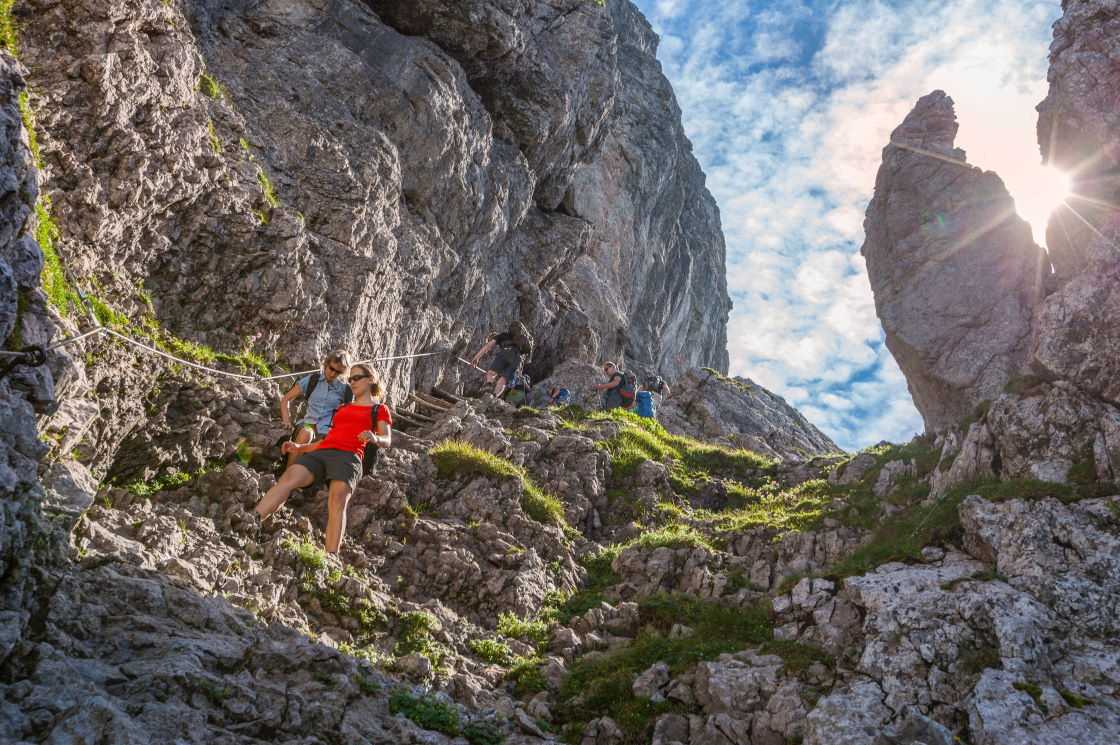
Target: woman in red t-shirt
{"x": 337, "y": 458}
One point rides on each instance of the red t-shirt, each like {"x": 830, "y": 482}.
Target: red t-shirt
{"x": 350, "y": 421}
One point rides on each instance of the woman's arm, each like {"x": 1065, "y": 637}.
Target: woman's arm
{"x": 295, "y": 447}
{"x": 285, "y": 412}
{"x": 485, "y": 348}
{"x": 382, "y": 439}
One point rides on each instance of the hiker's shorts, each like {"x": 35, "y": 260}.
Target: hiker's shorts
{"x": 333, "y": 465}
{"x": 505, "y": 364}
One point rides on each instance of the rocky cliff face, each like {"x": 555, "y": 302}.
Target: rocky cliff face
{"x": 1034, "y": 359}
{"x": 510, "y": 575}
{"x": 289, "y": 177}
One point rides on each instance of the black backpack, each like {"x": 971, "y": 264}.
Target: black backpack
{"x": 315, "y": 377}
{"x": 372, "y": 452}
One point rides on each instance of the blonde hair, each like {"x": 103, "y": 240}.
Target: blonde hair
{"x": 339, "y": 355}
{"x": 374, "y": 383}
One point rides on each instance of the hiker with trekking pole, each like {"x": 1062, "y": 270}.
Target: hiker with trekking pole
{"x": 512, "y": 347}
{"x": 349, "y": 451}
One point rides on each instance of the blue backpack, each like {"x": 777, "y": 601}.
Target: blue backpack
{"x": 563, "y": 397}
{"x": 645, "y": 404}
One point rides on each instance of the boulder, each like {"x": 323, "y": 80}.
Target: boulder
{"x": 740, "y": 413}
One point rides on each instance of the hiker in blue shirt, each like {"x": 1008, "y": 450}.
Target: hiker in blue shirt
{"x": 325, "y": 391}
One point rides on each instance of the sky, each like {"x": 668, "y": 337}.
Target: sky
{"x": 788, "y": 104}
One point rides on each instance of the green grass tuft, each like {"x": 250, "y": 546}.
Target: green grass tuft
{"x": 691, "y": 462}
{"x": 600, "y": 685}
{"x": 1074, "y": 700}
{"x": 798, "y": 508}
{"x": 210, "y": 87}
{"x": 457, "y": 458}
{"x": 267, "y": 189}
{"x": 1035, "y": 692}
{"x": 55, "y": 285}
{"x": 167, "y": 482}
{"x": 212, "y": 133}
{"x": 9, "y": 34}
{"x": 426, "y": 711}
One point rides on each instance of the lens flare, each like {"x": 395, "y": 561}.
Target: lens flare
{"x": 1046, "y": 189}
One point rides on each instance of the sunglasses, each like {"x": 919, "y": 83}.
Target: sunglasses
{"x": 356, "y": 378}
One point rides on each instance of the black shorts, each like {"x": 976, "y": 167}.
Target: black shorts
{"x": 333, "y": 465}
{"x": 505, "y": 364}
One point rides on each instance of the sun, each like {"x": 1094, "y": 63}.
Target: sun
{"x": 1042, "y": 189}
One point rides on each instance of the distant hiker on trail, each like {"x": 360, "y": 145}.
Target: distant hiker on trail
{"x": 513, "y": 346}
{"x": 655, "y": 384}
{"x": 325, "y": 392}
{"x": 348, "y": 452}
{"x": 616, "y": 388}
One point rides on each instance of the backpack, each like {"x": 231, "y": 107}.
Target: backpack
{"x": 563, "y": 397}
{"x": 372, "y": 452}
{"x": 629, "y": 386}
{"x": 521, "y": 338}
{"x": 645, "y": 404}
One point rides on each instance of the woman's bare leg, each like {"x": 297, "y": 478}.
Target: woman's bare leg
{"x": 337, "y": 500}
{"x": 499, "y": 387}
{"x": 295, "y": 477}
{"x": 302, "y": 437}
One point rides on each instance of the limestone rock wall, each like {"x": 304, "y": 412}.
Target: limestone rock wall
{"x": 955, "y": 273}
{"x": 983, "y": 323}
{"x": 294, "y": 176}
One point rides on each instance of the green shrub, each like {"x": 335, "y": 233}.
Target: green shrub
{"x": 492, "y": 650}
{"x": 535, "y": 631}
{"x": 526, "y": 676}
{"x": 483, "y": 733}
{"x": 167, "y": 482}
{"x": 415, "y": 636}
{"x": 426, "y": 711}
{"x": 310, "y": 555}
{"x": 600, "y": 685}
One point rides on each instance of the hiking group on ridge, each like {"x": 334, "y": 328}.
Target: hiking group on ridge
{"x": 345, "y": 423}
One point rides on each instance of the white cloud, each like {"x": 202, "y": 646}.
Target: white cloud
{"x": 791, "y": 149}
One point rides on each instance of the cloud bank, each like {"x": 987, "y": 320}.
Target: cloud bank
{"x": 788, "y": 106}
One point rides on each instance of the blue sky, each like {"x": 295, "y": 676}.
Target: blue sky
{"x": 788, "y": 105}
